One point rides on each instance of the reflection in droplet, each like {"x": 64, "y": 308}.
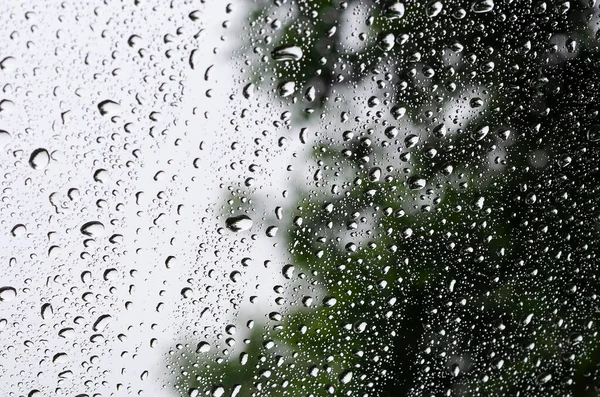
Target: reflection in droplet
{"x": 416, "y": 182}
{"x": 433, "y": 8}
{"x": 239, "y": 223}
{"x": 287, "y": 53}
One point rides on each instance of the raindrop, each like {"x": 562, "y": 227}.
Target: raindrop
{"x": 203, "y": 347}
{"x": 345, "y": 377}
{"x": 39, "y": 159}
{"x": 5, "y": 139}
{"x": 248, "y": 90}
{"x": 47, "y": 311}
{"x": 482, "y": 6}
{"x": 239, "y": 223}
{"x": 18, "y": 230}
{"x": 416, "y": 182}
{"x": 102, "y": 322}
{"x": 433, "y": 8}
{"x": 7, "y": 294}
{"x": 93, "y": 229}
{"x": 108, "y": 108}
{"x": 286, "y": 88}
{"x": 287, "y": 53}
{"x": 394, "y": 10}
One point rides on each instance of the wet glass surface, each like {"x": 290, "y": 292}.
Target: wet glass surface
{"x": 299, "y": 198}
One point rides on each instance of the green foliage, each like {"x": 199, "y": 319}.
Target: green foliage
{"x": 504, "y": 287}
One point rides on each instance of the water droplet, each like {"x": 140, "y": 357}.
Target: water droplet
{"x": 387, "y": 41}
{"x": 416, "y": 182}
{"x": 7, "y": 106}
{"x": 39, "y": 159}
{"x": 218, "y": 391}
{"x": 93, "y": 229}
{"x": 593, "y": 133}
{"x": 286, "y": 88}
{"x": 47, "y": 311}
{"x": 329, "y": 301}
{"x": 482, "y": 6}
{"x": 194, "y": 58}
{"x": 375, "y": 174}
{"x": 203, "y": 347}
{"x": 235, "y": 276}
{"x": 287, "y": 53}
{"x": 480, "y": 132}
{"x": 108, "y": 108}
{"x": 394, "y": 10}
{"x": 391, "y": 132}
{"x": 8, "y": 64}
{"x": 66, "y": 333}
{"x": 248, "y": 91}
{"x": 433, "y": 8}
{"x": 345, "y": 377}
{"x": 102, "y": 322}
{"x": 5, "y": 139}
{"x": 310, "y": 94}
{"x": 101, "y": 175}
{"x": 239, "y": 223}
{"x": 7, "y": 294}
{"x": 18, "y": 230}
{"x": 411, "y": 141}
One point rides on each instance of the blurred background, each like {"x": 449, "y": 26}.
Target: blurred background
{"x": 299, "y": 198}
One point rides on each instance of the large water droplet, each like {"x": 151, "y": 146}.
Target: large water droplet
{"x": 239, "y": 223}
{"x": 416, "y": 182}
{"x": 593, "y": 133}
{"x": 7, "y": 294}
{"x": 108, "y": 107}
{"x": 102, "y": 322}
{"x": 433, "y": 8}
{"x": 5, "y": 139}
{"x": 248, "y": 91}
{"x": 39, "y": 159}
{"x": 18, "y": 230}
{"x": 394, "y": 10}
{"x": 481, "y": 6}
{"x": 47, "y": 311}
{"x": 93, "y": 229}
{"x": 287, "y": 53}
{"x": 345, "y": 377}
{"x": 286, "y": 88}
{"x": 203, "y": 347}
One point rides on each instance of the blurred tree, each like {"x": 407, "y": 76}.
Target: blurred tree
{"x": 462, "y": 257}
